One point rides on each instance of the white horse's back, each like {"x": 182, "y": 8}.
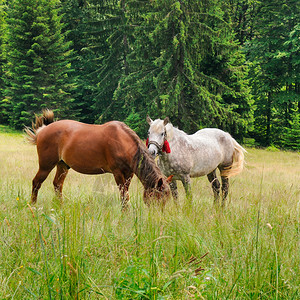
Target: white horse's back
{"x": 207, "y": 149}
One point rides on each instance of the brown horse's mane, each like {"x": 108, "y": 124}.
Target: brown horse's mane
{"x": 144, "y": 165}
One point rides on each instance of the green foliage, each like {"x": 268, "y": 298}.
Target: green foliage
{"x": 183, "y": 72}
{"x": 136, "y": 122}
{"x": 4, "y": 102}
{"x": 37, "y": 74}
{"x": 290, "y": 138}
{"x": 134, "y": 283}
{"x": 274, "y": 75}
{"x": 230, "y": 64}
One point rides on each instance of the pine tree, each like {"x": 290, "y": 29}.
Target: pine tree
{"x": 38, "y": 66}
{"x": 291, "y": 134}
{"x": 274, "y": 56}
{"x": 242, "y": 13}
{"x": 107, "y": 45}
{"x": 185, "y": 64}
{"x": 4, "y": 102}
{"x": 76, "y": 17}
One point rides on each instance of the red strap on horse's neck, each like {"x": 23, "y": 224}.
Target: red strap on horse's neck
{"x": 166, "y": 147}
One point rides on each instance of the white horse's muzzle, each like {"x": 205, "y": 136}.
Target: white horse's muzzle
{"x": 154, "y": 148}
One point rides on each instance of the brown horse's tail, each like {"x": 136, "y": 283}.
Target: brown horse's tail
{"x": 40, "y": 122}
{"x": 237, "y": 161}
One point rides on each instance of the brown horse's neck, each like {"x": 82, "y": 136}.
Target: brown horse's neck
{"x": 146, "y": 169}
{"x": 144, "y": 166}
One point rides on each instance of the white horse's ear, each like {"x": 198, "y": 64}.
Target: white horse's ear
{"x": 149, "y": 120}
{"x": 166, "y": 121}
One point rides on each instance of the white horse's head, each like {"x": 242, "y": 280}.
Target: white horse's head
{"x": 157, "y": 136}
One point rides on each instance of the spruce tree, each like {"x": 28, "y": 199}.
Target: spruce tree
{"x": 38, "y": 61}
{"x": 185, "y": 64}
{"x": 106, "y": 38}
{"x": 76, "y": 17}
{"x": 275, "y": 62}
{"x": 4, "y": 102}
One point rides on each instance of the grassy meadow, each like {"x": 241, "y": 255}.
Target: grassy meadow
{"x": 85, "y": 248}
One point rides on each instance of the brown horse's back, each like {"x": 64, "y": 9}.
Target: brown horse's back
{"x": 88, "y": 149}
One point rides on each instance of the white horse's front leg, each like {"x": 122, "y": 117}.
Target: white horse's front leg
{"x": 173, "y": 186}
{"x": 186, "y": 181}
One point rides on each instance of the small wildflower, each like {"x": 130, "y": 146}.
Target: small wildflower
{"x": 17, "y": 198}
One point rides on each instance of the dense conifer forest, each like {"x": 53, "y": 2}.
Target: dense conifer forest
{"x": 230, "y": 64}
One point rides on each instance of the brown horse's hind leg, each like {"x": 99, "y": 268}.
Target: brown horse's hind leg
{"x": 225, "y": 188}
{"x": 37, "y": 181}
{"x": 212, "y": 177}
{"x": 61, "y": 173}
{"x": 123, "y": 183}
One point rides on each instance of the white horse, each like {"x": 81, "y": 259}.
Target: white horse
{"x": 195, "y": 155}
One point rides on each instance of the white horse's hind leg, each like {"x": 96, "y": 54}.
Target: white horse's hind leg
{"x": 225, "y": 188}
{"x": 215, "y": 184}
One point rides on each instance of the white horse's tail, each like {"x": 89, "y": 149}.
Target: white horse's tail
{"x": 238, "y": 160}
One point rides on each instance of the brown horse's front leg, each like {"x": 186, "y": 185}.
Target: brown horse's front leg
{"x": 123, "y": 184}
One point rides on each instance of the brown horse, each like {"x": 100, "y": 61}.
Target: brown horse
{"x": 94, "y": 149}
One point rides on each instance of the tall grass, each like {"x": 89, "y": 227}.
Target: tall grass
{"x": 85, "y": 248}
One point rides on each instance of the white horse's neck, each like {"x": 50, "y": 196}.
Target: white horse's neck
{"x": 173, "y": 133}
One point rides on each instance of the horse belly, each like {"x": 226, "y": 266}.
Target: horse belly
{"x": 206, "y": 162}
{"x": 86, "y": 159}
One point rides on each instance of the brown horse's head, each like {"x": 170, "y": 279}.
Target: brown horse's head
{"x": 160, "y": 194}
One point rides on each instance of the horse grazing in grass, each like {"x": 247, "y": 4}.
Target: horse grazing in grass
{"x": 94, "y": 149}
{"x": 199, "y": 154}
